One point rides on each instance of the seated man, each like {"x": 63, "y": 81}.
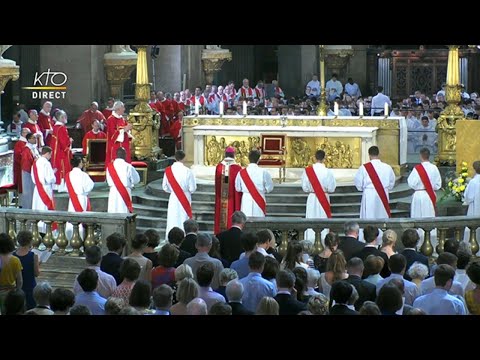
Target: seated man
{"x": 95, "y": 133}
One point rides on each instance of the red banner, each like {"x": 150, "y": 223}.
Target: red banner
{"x": 428, "y": 185}
{"x": 378, "y": 186}
{"x": 318, "y": 190}
{"x": 252, "y": 189}
{"x": 122, "y": 190}
{"x": 178, "y": 191}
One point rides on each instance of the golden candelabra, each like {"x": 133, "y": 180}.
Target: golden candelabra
{"x": 322, "y": 108}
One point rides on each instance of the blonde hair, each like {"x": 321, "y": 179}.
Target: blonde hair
{"x": 318, "y": 304}
{"x": 268, "y": 306}
{"x": 187, "y": 291}
{"x": 389, "y": 237}
{"x": 337, "y": 264}
{"x": 182, "y": 272}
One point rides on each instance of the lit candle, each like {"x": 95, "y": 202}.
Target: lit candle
{"x": 335, "y": 109}
{"x": 197, "y": 107}
{"x": 221, "y": 108}
{"x": 244, "y": 108}
{"x": 386, "y": 109}
{"x": 360, "y": 108}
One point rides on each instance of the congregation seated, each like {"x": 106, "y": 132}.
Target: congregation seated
{"x": 129, "y": 272}
{"x": 176, "y": 237}
{"x": 153, "y": 241}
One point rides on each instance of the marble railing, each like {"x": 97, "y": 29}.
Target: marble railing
{"x": 290, "y": 227}
{"x": 97, "y": 226}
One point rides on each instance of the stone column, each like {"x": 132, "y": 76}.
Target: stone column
{"x": 119, "y": 64}
{"x": 9, "y": 70}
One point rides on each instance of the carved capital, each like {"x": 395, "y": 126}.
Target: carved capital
{"x": 7, "y": 74}
{"x": 212, "y": 61}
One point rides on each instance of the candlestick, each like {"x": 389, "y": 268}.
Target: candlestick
{"x": 335, "y": 109}
{"x": 322, "y": 74}
{"x": 245, "y": 108}
{"x": 197, "y": 107}
{"x": 360, "y": 109}
{"x": 221, "y": 108}
{"x": 386, "y": 109}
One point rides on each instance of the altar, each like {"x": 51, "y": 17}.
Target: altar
{"x": 344, "y": 139}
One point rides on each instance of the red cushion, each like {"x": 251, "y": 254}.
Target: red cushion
{"x": 271, "y": 162}
{"x": 139, "y": 164}
{"x": 9, "y": 187}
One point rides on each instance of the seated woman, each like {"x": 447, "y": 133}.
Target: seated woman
{"x": 164, "y": 273}
{"x": 336, "y": 271}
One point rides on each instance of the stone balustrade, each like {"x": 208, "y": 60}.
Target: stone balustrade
{"x": 446, "y": 226}
{"x": 13, "y": 220}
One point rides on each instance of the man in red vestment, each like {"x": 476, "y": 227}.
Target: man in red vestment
{"x": 45, "y": 122}
{"x": 108, "y": 110}
{"x": 95, "y": 133}
{"x": 17, "y": 159}
{"x": 118, "y": 134}
{"x": 86, "y": 119}
{"x": 176, "y": 129}
{"x": 227, "y": 200}
{"x": 32, "y": 124}
{"x": 61, "y": 148}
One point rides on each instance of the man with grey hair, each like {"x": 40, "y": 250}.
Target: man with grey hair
{"x": 313, "y": 275}
{"x": 41, "y": 295}
{"x": 203, "y": 245}
{"x": 349, "y": 243}
{"x": 89, "y": 116}
{"x": 234, "y": 294}
{"x": 190, "y": 227}
{"x": 230, "y": 244}
{"x": 118, "y": 133}
{"x": 197, "y": 306}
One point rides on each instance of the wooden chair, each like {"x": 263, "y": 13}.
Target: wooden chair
{"x": 95, "y": 159}
{"x": 142, "y": 169}
{"x": 273, "y": 148}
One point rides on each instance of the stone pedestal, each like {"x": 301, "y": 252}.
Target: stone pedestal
{"x": 212, "y": 59}
{"x": 9, "y": 70}
{"x": 119, "y": 65}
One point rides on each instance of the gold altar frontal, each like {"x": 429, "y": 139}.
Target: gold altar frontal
{"x": 342, "y": 152}
{"x": 467, "y": 147}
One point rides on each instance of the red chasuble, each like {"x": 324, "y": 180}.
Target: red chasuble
{"x": 114, "y": 125}
{"x": 17, "y": 164}
{"x": 61, "y": 152}
{"x": 45, "y": 123}
{"x": 92, "y": 135}
{"x": 227, "y": 200}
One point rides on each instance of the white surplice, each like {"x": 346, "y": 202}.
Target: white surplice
{"x": 314, "y": 209}
{"x": 129, "y": 177}
{"x": 47, "y": 178}
{"x": 472, "y": 198}
{"x": 264, "y": 184}
{"x": 176, "y": 214}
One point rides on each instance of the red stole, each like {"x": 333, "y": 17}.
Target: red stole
{"x": 252, "y": 189}
{"x": 246, "y": 93}
{"x": 74, "y": 197}
{"x": 234, "y": 198}
{"x": 378, "y": 186}
{"x": 49, "y": 203}
{"x": 260, "y": 92}
{"x": 318, "y": 190}
{"x": 428, "y": 185}
{"x": 178, "y": 191}
{"x": 122, "y": 190}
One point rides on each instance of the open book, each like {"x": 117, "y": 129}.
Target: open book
{"x": 43, "y": 256}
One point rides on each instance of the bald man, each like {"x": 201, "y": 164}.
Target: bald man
{"x": 89, "y": 116}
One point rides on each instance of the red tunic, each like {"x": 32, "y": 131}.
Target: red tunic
{"x": 114, "y": 125}
{"x": 61, "y": 152}
{"x": 34, "y": 129}
{"x": 45, "y": 122}
{"x": 107, "y": 112}
{"x": 17, "y": 164}
{"x": 27, "y": 159}
{"x": 88, "y": 117}
{"x": 92, "y": 135}
{"x": 227, "y": 200}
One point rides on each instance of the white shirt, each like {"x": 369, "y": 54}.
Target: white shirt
{"x": 127, "y": 174}
{"x": 336, "y": 85}
{"x": 353, "y": 89}
{"x": 378, "y": 103}
{"x": 439, "y": 302}
{"x": 315, "y": 86}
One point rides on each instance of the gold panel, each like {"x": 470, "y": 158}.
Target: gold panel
{"x": 468, "y": 149}
{"x": 215, "y": 148}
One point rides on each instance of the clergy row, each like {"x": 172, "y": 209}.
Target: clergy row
{"x": 245, "y": 189}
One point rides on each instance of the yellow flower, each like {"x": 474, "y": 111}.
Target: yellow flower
{"x": 465, "y": 174}
{"x": 450, "y": 184}
{"x": 462, "y": 188}
{"x": 461, "y": 181}
{"x": 464, "y": 163}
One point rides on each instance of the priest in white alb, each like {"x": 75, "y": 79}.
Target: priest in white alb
{"x": 425, "y": 179}
{"x": 318, "y": 182}
{"x": 472, "y": 198}
{"x": 180, "y": 182}
{"x": 43, "y": 176}
{"x": 121, "y": 177}
{"x": 254, "y": 182}
{"x": 78, "y": 185}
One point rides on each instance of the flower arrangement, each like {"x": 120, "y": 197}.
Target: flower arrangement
{"x": 456, "y": 184}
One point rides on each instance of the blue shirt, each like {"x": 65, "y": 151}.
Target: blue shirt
{"x": 93, "y": 301}
{"x": 161, "y": 312}
{"x": 411, "y": 290}
{"x": 254, "y": 289}
{"x": 241, "y": 267}
{"x": 440, "y": 302}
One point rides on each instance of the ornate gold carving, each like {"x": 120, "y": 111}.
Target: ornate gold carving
{"x": 467, "y": 149}
{"x": 213, "y": 60}
{"x": 300, "y": 153}
{"x": 7, "y": 74}
{"x": 214, "y": 149}
{"x": 118, "y": 71}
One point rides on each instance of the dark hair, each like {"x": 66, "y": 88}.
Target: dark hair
{"x": 24, "y": 238}
{"x": 294, "y": 250}
{"x": 162, "y": 296}
{"x": 334, "y": 75}
{"x": 447, "y": 258}
{"x": 451, "y": 246}
{"x": 205, "y": 274}
{"x": 176, "y": 236}
{"x": 379, "y": 88}
{"x": 46, "y": 150}
{"x": 140, "y": 295}
{"x": 271, "y": 268}
{"x": 115, "y": 241}
{"x": 320, "y": 155}
{"x": 153, "y": 238}
{"x": 80, "y": 310}
{"x": 62, "y": 299}
{"x": 6, "y": 244}
{"x": 263, "y": 236}
{"x": 256, "y": 261}
{"x": 410, "y": 238}
{"x": 88, "y": 280}
{"x": 473, "y": 271}
{"x": 168, "y": 255}
{"x": 463, "y": 258}
{"x": 373, "y": 151}
{"x": 389, "y": 299}
{"x": 424, "y": 152}
{"x": 369, "y": 308}
{"x": 249, "y": 241}
{"x": 254, "y": 156}
{"x": 75, "y": 161}
{"x": 215, "y": 249}
{"x": 341, "y": 292}
{"x": 397, "y": 263}
{"x": 15, "y": 302}
{"x": 443, "y": 273}
{"x": 331, "y": 240}
{"x": 220, "y": 308}
{"x": 29, "y": 136}
{"x": 370, "y": 234}
{"x": 130, "y": 269}
{"x": 285, "y": 279}
{"x": 355, "y": 263}
{"x": 121, "y": 153}
{"x": 139, "y": 241}
{"x": 93, "y": 255}
{"x": 179, "y": 155}
{"x": 301, "y": 281}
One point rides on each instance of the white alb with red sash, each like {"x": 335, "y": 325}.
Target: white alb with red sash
{"x": 422, "y": 173}
{"x": 182, "y": 198}
{"x": 252, "y": 189}
{"x": 377, "y": 184}
{"x": 74, "y": 196}
{"x": 122, "y": 190}
{"x": 318, "y": 190}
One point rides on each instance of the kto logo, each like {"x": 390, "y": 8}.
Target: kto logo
{"x": 54, "y": 81}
